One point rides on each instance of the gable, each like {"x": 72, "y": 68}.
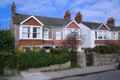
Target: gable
{"x": 103, "y": 27}
{"x": 72, "y": 25}
{"x": 32, "y": 21}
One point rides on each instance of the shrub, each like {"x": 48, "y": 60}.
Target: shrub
{"x": 88, "y": 50}
{"x": 32, "y": 59}
{"x": 7, "y": 61}
{"x": 1, "y": 64}
{"x": 6, "y": 41}
{"x": 102, "y": 49}
{"x": 113, "y": 47}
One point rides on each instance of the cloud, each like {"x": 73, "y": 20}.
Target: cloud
{"x": 98, "y": 11}
{"x": 92, "y": 10}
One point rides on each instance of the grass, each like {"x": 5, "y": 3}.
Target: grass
{"x": 56, "y": 69}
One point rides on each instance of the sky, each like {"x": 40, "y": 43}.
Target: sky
{"x": 92, "y": 10}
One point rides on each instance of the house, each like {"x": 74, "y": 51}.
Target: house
{"x": 34, "y": 32}
{"x": 99, "y": 33}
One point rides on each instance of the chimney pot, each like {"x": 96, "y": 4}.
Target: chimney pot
{"x": 78, "y": 17}
{"x": 67, "y": 15}
{"x": 13, "y": 8}
{"x": 111, "y": 21}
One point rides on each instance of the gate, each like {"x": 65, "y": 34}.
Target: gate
{"x": 89, "y": 59}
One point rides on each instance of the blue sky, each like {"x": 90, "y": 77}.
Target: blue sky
{"x": 92, "y": 10}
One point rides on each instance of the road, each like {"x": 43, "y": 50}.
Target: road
{"x": 110, "y": 75}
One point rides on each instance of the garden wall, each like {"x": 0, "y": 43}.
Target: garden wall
{"x": 105, "y": 59}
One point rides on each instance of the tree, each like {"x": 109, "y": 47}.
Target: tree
{"x": 6, "y": 41}
{"x": 72, "y": 44}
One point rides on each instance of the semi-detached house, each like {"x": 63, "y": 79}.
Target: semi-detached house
{"x": 34, "y": 32}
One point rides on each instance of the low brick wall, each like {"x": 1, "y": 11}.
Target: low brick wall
{"x": 104, "y": 59}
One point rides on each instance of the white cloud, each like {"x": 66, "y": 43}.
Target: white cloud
{"x": 92, "y": 10}
{"x": 98, "y": 11}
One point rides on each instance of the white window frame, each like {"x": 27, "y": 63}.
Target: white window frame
{"x": 118, "y": 35}
{"x": 31, "y": 31}
{"x": 45, "y": 34}
{"x": 102, "y": 34}
{"x": 58, "y": 35}
{"x": 72, "y": 30}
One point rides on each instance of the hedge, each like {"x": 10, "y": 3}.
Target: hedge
{"x": 8, "y": 61}
{"x": 32, "y": 59}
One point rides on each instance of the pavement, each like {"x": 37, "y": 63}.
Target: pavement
{"x": 54, "y": 75}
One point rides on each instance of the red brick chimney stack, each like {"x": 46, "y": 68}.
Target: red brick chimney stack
{"x": 78, "y": 17}
{"x": 67, "y": 15}
{"x": 111, "y": 21}
{"x": 13, "y": 9}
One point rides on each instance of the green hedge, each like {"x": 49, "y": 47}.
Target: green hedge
{"x": 8, "y": 61}
{"x": 32, "y": 59}
{"x": 6, "y": 41}
{"x": 102, "y": 49}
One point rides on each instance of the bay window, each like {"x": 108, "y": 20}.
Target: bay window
{"x": 101, "y": 34}
{"x": 30, "y": 32}
{"x": 72, "y": 30}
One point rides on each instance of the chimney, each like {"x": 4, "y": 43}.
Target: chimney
{"x": 111, "y": 21}
{"x": 13, "y": 8}
{"x": 78, "y": 17}
{"x": 67, "y": 15}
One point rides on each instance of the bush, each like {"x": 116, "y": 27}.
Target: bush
{"x": 6, "y": 41}
{"x": 113, "y": 47}
{"x": 88, "y": 50}
{"x": 7, "y": 61}
{"x": 102, "y": 49}
{"x": 32, "y": 59}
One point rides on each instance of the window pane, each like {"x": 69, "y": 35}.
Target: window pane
{"x": 34, "y": 30}
{"x": 38, "y": 30}
{"x": 99, "y": 34}
{"x": 69, "y": 31}
{"x": 34, "y": 35}
{"x": 25, "y": 29}
{"x": 58, "y": 35}
{"x": 45, "y": 34}
{"x": 38, "y": 35}
{"x": 95, "y": 34}
{"x": 25, "y": 35}
{"x": 118, "y": 35}
{"x": 26, "y": 32}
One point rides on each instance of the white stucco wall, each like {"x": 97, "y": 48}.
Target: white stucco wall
{"x": 92, "y": 39}
{"x": 85, "y": 36}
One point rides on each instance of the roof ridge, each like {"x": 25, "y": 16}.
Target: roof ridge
{"x": 92, "y": 22}
{"x": 42, "y": 16}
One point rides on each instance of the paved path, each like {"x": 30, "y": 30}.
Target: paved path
{"x": 34, "y": 76}
{"x": 61, "y": 74}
